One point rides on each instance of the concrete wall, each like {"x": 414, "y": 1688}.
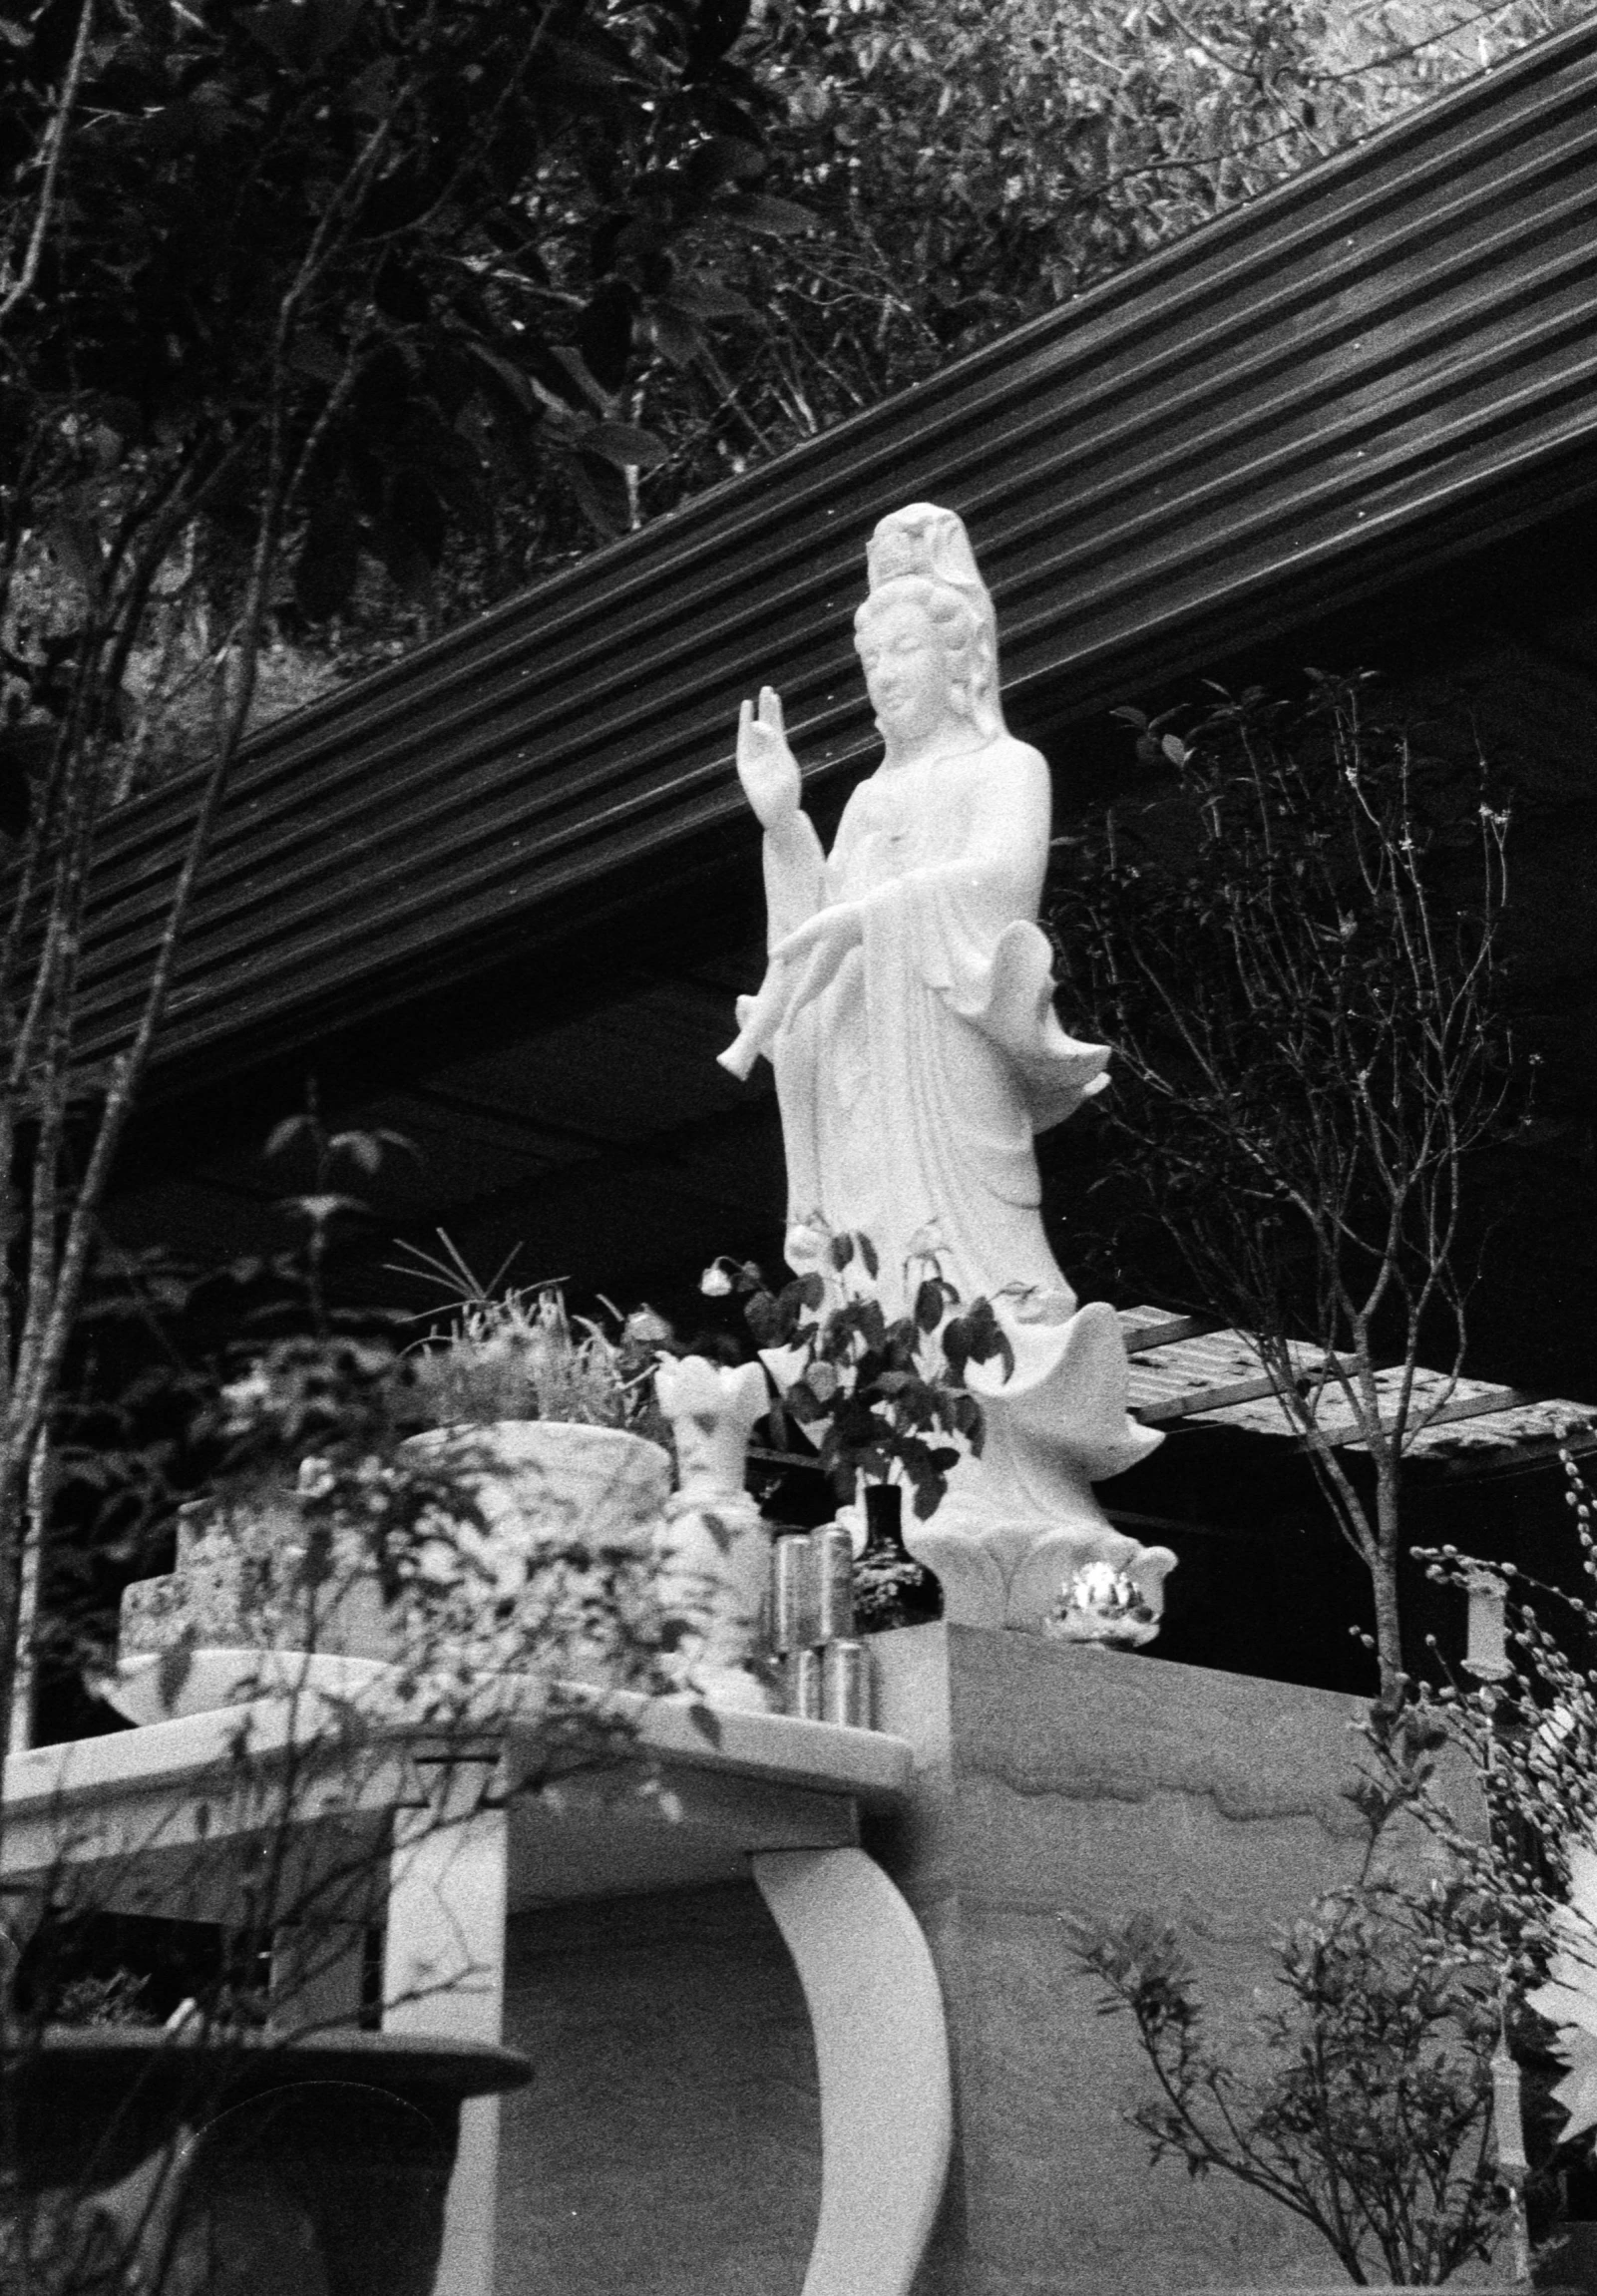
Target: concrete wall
{"x": 1079, "y": 1782}
{"x": 669, "y": 2143}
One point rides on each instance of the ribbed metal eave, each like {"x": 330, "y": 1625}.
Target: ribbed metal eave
{"x": 1120, "y": 539}
{"x": 1165, "y": 292}
{"x": 1542, "y": 92}
{"x": 550, "y": 689}
{"x": 1284, "y": 399}
{"x": 380, "y": 940}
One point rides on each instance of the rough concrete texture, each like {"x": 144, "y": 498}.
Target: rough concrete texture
{"x": 670, "y": 2144}
{"x": 1056, "y": 1781}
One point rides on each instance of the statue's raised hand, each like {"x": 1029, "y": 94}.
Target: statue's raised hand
{"x": 766, "y": 766}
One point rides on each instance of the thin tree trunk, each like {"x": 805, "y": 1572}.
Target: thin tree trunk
{"x": 1383, "y": 1583}
{"x": 36, "y": 1524}
{"x": 13, "y": 1554}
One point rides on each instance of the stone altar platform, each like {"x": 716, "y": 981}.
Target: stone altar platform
{"x": 454, "y": 1838}
{"x": 670, "y": 2139}
{"x": 1059, "y": 1780}
{"x": 698, "y": 2025}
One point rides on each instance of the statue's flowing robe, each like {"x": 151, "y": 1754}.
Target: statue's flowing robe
{"x": 911, "y": 1087}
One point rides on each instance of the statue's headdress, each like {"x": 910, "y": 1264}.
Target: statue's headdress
{"x": 931, "y": 543}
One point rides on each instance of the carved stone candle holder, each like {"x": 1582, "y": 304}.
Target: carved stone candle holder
{"x": 712, "y": 1544}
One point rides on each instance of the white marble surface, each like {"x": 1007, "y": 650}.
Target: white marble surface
{"x": 882, "y": 2051}
{"x": 63, "y": 1800}
{"x": 172, "y": 1818}
{"x": 712, "y": 1542}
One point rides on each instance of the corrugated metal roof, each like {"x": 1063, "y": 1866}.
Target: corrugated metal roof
{"x": 1370, "y": 368}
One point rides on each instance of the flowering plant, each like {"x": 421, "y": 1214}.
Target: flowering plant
{"x": 1527, "y": 1726}
{"x": 873, "y": 1391}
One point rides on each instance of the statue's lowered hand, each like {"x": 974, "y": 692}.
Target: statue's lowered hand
{"x": 758, "y": 1019}
{"x": 814, "y": 949}
{"x": 800, "y": 968}
{"x": 766, "y": 766}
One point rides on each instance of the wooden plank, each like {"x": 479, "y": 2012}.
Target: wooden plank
{"x": 1159, "y": 1330}
{"x": 1205, "y": 1399}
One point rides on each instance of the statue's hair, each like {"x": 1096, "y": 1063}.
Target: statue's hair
{"x": 962, "y": 631}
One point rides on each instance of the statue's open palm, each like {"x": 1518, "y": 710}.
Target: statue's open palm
{"x": 766, "y": 766}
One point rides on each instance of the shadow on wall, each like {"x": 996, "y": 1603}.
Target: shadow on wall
{"x": 670, "y": 2139}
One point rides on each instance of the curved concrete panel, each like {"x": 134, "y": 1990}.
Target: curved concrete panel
{"x": 882, "y": 2051}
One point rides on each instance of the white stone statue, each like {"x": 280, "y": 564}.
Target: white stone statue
{"x": 713, "y": 1545}
{"x": 907, "y": 1011}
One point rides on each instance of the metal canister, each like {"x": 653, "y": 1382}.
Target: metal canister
{"x": 846, "y": 1685}
{"x": 832, "y": 1565}
{"x": 801, "y": 1684}
{"x": 792, "y": 1601}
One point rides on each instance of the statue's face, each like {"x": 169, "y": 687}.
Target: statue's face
{"x": 905, "y": 672}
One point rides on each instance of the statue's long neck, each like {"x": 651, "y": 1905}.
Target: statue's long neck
{"x": 958, "y": 738}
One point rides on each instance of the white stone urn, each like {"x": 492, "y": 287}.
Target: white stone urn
{"x": 556, "y": 1479}
{"x": 544, "y": 1485}
{"x": 238, "y": 1596}
{"x": 714, "y": 1546}
{"x": 238, "y": 1617}
{"x": 238, "y": 1582}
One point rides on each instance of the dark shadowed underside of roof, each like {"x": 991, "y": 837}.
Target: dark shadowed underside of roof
{"x": 1369, "y": 371}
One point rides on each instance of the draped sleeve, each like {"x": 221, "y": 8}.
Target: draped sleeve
{"x": 962, "y": 926}
{"x": 795, "y": 875}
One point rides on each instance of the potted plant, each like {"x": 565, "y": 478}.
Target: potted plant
{"x": 881, "y": 1398}
{"x": 552, "y": 1423}
{"x": 561, "y": 1413}
{"x": 884, "y": 1398}
{"x": 318, "y": 1534}
{"x": 349, "y": 1534}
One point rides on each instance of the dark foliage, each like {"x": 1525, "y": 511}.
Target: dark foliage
{"x": 346, "y": 271}
{"x": 876, "y": 1391}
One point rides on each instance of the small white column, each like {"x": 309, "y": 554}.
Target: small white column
{"x": 444, "y": 1976}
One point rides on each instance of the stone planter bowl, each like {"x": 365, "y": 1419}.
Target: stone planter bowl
{"x": 233, "y": 1596}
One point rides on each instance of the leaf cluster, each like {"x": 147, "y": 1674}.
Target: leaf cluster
{"x": 877, "y": 1392}
{"x": 362, "y": 267}
{"x": 288, "y": 292}
{"x": 975, "y": 163}
{"x": 548, "y": 272}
